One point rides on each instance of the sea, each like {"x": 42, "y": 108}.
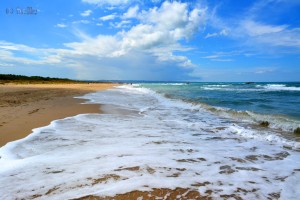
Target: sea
{"x": 225, "y": 140}
{"x": 275, "y": 103}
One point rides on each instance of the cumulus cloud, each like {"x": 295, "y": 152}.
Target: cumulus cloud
{"x": 147, "y": 45}
{"x": 100, "y": 46}
{"x": 86, "y": 13}
{"x": 174, "y": 18}
{"x": 157, "y": 34}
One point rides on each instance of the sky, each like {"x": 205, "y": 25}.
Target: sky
{"x": 203, "y": 40}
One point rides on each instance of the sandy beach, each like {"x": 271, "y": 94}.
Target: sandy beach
{"x": 142, "y": 146}
{"x": 27, "y": 106}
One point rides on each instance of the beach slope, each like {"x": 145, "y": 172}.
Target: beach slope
{"x": 27, "y": 106}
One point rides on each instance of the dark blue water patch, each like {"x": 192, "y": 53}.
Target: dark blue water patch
{"x": 266, "y": 106}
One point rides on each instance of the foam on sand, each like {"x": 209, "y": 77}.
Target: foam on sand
{"x": 157, "y": 143}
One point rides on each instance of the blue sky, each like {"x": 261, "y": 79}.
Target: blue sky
{"x": 205, "y": 40}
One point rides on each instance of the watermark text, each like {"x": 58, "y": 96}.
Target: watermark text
{"x": 21, "y": 11}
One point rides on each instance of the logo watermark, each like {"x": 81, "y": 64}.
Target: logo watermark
{"x": 21, "y": 11}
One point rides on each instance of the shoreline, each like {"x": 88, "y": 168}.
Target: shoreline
{"x": 24, "y": 107}
{"x": 134, "y": 155}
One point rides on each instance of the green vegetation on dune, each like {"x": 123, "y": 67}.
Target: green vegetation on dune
{"x": 20, "y": 79}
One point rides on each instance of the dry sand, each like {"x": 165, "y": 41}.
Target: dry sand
{"x": 24, "y": 107}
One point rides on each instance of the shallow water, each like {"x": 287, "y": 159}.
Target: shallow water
{"x": 149, "y": 141}
{"x": 277, "y": 103}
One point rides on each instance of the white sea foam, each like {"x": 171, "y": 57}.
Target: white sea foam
{"x": 168, "y": 144}
{"x": 218, "y": 86}
{"x": 175, "y": 83}
{"x": 224, "y": 88}
{"x": 280, "y": 87}
{"x": 168, "y": 84}
{"x": 266, "y": 88}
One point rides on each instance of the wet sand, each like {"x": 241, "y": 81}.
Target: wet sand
{"x": 27, "y": 106}
{"x": 156, "y": 193}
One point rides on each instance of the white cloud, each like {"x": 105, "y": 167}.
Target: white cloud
{"x": 261, "y": 35}
{"x": 101, "y": 46}
{"x": 209, "y": 35}
{"x": 289, "y": 37}
{"x": 162, "y": 27}
{"x": 61, "y": 25}
{"x": 165, "y": 25}
{"x": 131, "y": 13}
{"x": 7, "y": 46}
{"x": 253, "y": 28}
{"x": 223, "y": 56}
{"x": 37, "y": 56}
{"x": 86, "y": 13}
{"x": 223, "y": 32}
{"x": 122, "y": 24}
{"x": 264, "y": 70}
{"x": 2, "y": 64}
{"x": 286, "y": 38}
{"x": 158, "y": 34}
{"x": 108, "y": 17}
{"x": 211, "y": 57}
{"x": 271, "y": 35}
{"x": 83, "y": 21}
{"x": 252, "y": 32}
{"x": 175, "y": 18}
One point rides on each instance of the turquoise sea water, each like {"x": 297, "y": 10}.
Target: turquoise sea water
{"x": 277, "y": 103}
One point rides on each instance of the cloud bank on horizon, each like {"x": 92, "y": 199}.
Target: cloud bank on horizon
{"x": 204, "y": 40}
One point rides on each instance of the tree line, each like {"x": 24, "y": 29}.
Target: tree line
{"x": 20, "y": 78}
